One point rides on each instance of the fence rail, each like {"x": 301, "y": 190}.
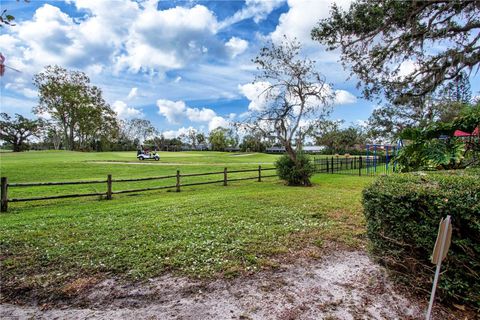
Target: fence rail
{"x": 5, "y": 185}
{"x": 368, "y": 165}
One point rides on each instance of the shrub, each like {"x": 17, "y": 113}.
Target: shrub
{"x": 403, "y": 212}
{"x": 295, "y": 174}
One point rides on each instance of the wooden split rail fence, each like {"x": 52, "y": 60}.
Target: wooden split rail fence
{"x": 5, "y": 185}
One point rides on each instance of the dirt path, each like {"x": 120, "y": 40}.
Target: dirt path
{"x": 344, "y": 285}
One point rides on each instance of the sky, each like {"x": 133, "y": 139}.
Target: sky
{"x": 179, "y": 64}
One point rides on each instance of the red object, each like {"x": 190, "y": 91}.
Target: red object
{"x": 459, "y": 133}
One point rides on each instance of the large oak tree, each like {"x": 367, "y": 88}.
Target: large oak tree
{"x": 16, "y": 131}
{"x": 76, "y": 106}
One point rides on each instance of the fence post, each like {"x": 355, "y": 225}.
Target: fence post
{"x": 259, "y": 173}
{"x": 109, "y": 187}
{"x": 360, "y": 166}
{"x": 331, "y": 167}
{"x": 178, "y": 181}
{"x": 4, "y": 205}
{"x": 225, "y": 177}
{"x": 328, "y": 169}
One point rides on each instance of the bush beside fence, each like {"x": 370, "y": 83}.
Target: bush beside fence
{"x": 403, "y": 213}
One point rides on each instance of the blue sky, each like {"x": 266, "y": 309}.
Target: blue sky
{"x": 179, "y": 64}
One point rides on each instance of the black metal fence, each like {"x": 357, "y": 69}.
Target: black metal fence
{"x": 360, "y": 166}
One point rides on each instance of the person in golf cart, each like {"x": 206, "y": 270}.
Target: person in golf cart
{"x": 145, "y": 153}
{"x": 143, "y": 150}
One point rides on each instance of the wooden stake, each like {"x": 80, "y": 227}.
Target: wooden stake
{"x": 225, "y": 177}
{"x": 259, "y": 173}
{"x": 4, "y": 196}
{"x": 178, "y": 181}
{"x": 109, "y": 187}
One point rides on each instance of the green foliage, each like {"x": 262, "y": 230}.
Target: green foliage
{"x": 295, "y": 173}
{"x": 253, "y": 143}
{"x": 430, "y": 154}
{"x": 336, "y": 139}
{"x": 376, "y": 38}
{"x": 222, "y": 138}
{"x": 16, "y": 131}
{"x": 77, "y": 108}
{"x": 402, "y": 214}
{"x": 425, "y": 151}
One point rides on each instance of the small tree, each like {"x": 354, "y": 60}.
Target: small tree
{"x": 139, "y": 129}
{"x": 295, "y": 173}
{"x": 17, "y": 131}
{"x": 220, "y": 139}
{"x": 296, "y": 97}
{"x": 253, "y": 142}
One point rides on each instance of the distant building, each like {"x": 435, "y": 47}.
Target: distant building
{"x": 306, "y": 149}
{"x": 201, "y": 147}
{"x": 313, "y": 149}
{"x": 275, "y": 150}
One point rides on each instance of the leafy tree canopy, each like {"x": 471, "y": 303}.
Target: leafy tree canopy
{"x": 76, "y": 106}
{"x": 387, "y": 121}
{"x": 389, "y": 43}
{"x": 16, "y": 131}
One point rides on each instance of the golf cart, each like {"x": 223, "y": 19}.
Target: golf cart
{"x": 146, "y": 154}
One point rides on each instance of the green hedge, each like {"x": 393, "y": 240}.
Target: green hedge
{"x": 402, "y": 213}
{"x": 295, "y": 174}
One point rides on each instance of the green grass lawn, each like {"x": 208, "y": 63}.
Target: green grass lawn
{"x": 202, "y": 231}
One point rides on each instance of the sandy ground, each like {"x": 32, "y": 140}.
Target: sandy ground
{"x": 342, "y": 285}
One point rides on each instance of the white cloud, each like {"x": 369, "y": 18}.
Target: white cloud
{"x": 200, "y": 115}
{"x": 302, "y": 16}
{"x": 170, "y": 134}
{"x": 132, "y": 94}
{"x": 124, "y": 111}
{"x": 217, "y": 122}
{"x": 257, "y": 10}
{"x": 344, "y": 97}
{"x": 174, "y": 111}
{"x": 16, "y": 105}
{"x": 236, "y": 46}
{"x": 255, "y": 92}
{"x": 130, "y": 36}
{"x": 167, "y": 39}
{"x": 178, "y": 111}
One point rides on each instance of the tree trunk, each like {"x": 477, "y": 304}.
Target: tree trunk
{"x": 291, "y": 152}
{"x": 70, "y": 139}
